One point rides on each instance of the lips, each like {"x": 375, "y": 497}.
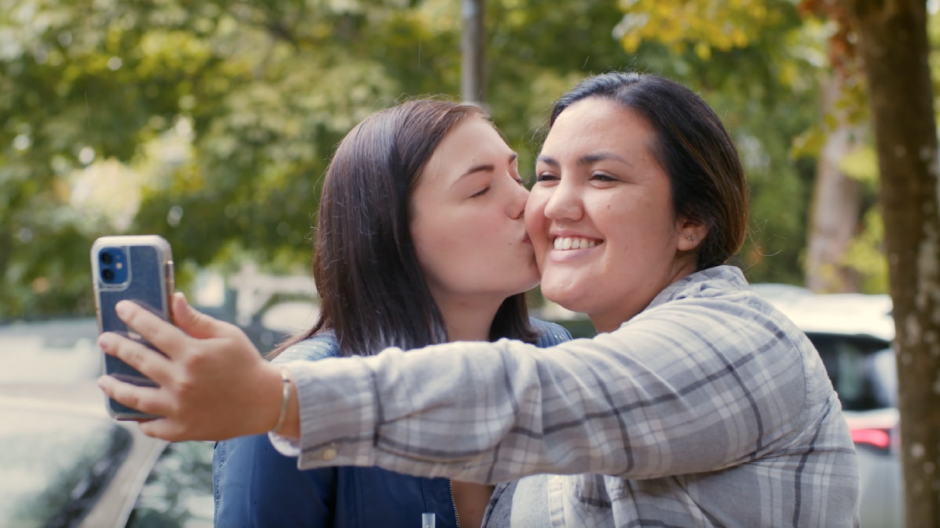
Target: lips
{"x": 575, "y": 242}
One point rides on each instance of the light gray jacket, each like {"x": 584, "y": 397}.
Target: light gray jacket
{"x": 709, "y": 408}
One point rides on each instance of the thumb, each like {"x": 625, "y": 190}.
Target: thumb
{"x": 193, "y": 322}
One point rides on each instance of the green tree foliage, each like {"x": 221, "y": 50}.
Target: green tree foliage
{"x": 756, "y": 62}
{"x": 230, "y": 111}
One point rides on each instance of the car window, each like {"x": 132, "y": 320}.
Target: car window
{"x": 178, "y": 491}
{"x": 856, "y": 367}
{"x": 53, "y": 467}
{"x": 884, "y": 369}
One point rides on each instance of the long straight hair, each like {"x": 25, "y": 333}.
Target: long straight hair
{"x": 373, "y": 292}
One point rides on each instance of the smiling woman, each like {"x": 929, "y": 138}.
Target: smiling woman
{"x": 665, "y": 189}
{"x": 615, "y": 196}
{"x": 699, "y": 404}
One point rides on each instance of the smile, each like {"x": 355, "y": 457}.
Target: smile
{"x": 566, "y": 243}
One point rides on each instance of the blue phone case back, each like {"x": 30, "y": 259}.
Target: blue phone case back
{"x": 144, "y": 287}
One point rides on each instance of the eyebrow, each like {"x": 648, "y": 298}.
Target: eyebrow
{"x": 588, "y": 159}
{"x": 488, "y": 167}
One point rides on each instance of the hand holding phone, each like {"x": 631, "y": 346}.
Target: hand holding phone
{"x": 136, "y": 268}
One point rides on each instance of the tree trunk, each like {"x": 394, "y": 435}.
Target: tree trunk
{"x": 837, "y": 202}
{"x": 894, "y": 47}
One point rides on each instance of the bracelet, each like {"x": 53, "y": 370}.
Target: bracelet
{"x": 285, "y": 375}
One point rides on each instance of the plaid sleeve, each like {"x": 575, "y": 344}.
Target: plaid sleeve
{"x": 687, "y": 387}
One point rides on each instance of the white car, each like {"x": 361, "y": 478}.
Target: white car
{"x": 853, "y": 334}
{"x": 64, "y": 462}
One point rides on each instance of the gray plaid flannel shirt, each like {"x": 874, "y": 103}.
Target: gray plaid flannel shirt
{"x": 709, "y": 408}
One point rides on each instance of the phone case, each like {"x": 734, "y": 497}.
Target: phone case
{"x": 147, "y": 273}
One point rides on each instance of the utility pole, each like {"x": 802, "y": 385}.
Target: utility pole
{"x": 473, "y": 46}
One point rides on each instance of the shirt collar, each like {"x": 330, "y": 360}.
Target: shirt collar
{"x": 730, "y": 275}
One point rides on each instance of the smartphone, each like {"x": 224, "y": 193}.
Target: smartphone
{"x": 136, "y": 268}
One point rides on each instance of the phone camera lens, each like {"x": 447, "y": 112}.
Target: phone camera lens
{"x": 106, "y": 257}
{"x": 107, "y": 274}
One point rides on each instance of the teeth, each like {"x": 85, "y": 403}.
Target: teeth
{"x": 574, "y": 243}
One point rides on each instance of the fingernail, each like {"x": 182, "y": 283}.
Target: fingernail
{"x": 104, "y": 341}
{"x": 121, "y": 308}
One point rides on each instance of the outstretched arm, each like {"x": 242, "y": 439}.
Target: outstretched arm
{"x": 652, "y": 399}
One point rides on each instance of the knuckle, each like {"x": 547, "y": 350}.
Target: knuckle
{"x": 131, "y": 356}
{"x": 135, "y": 358}
{"x": 197, "y": 358}
{"x": 129, "y": 398}
{"x": 171, "y": 409}
{"x": 185, "y": 387}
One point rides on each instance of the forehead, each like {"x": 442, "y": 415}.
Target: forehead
{"x": 597, "y": 124}
{"x": 473, "y": 141}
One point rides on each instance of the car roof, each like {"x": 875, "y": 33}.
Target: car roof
{"x": 840, "y": 313}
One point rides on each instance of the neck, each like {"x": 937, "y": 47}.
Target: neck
{"x": 610, "y": 320}
{"x": 468, "y": 320}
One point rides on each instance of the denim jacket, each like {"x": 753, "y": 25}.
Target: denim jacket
{"x": 255, "y": 486}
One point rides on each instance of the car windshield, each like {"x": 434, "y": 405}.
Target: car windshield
{"x": 54, "y": 465}
{"x": 178, "y": 492}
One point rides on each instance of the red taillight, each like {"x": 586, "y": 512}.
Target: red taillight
{"x": 880, "y": 438}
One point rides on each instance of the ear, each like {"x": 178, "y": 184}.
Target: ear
{"x": 689, "y": 234}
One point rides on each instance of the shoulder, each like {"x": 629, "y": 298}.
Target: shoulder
{"x": 722, "y": 323}
{"x": 550, "y": 334}
{"x": 714, "y": 302}
{"x": 726, "y": 319}
{"x": 715, "y": 319}
{"x": 315, "y": 348}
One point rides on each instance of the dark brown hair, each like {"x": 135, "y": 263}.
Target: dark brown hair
{"x": 705, "y": 172}
{"x": 373, "y": 292}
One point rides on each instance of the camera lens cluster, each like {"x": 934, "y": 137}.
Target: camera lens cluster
{"x": 112, "y": 265}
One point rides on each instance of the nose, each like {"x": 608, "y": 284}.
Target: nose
{"x": 565, "y": 202}
{"x": 516, "y": 206}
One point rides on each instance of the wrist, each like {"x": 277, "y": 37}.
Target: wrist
{"x": 270, "y": 394}
{"x": 285, "y": 400}
{"x": 280, "y": 413}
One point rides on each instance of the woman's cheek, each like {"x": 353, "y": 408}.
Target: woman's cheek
{"x": 535, "y": 216}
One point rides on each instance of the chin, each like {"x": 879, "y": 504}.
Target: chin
{"x": 529, "y": 283}
{"x": 570, "y": 298}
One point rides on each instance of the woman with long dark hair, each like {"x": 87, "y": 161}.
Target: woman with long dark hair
{"x": 698, "y": 404}
{"x": 419, "y": 240}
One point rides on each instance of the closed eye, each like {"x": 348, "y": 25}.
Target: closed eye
{"x": 481, "y": 193}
